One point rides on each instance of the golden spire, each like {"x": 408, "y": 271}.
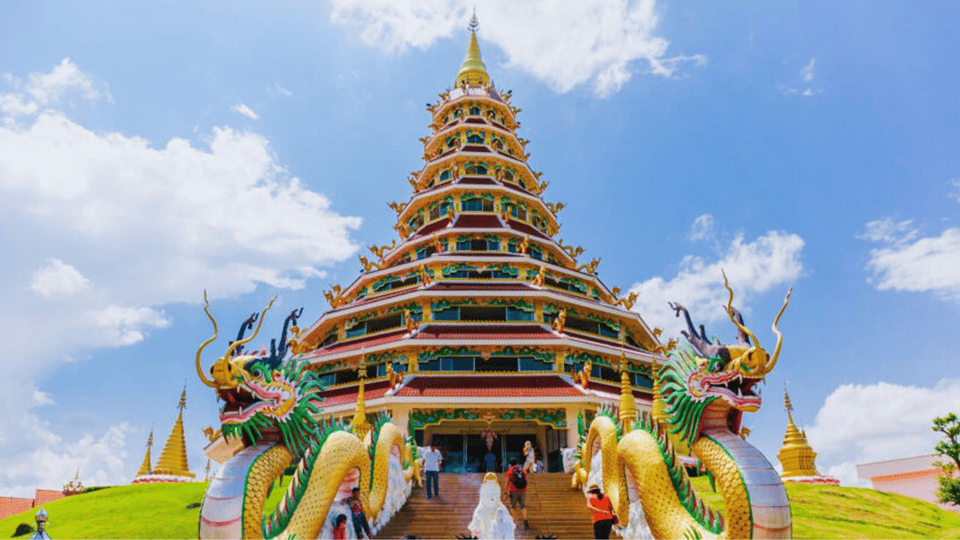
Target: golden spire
{"x": 796, "y": 456}
{"x": 360, "y": 425}
{"x": 628, "y": 405}
{"x": 145, "y": 466}
{"x": 173, "y": 457}
{"x": 656, "y": 408}
{"x": 473, "y": 72}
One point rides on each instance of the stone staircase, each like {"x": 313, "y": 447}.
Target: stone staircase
{"x": 553, "y": 509}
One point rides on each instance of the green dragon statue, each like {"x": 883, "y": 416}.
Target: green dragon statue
{"x": 704, "y": 398}
{"x": 270, "y": 403}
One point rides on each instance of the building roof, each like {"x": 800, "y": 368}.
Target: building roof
{"x": 537, "y": 386}
{"x": 484, "y": 331}
{"x": 348, "y": 394}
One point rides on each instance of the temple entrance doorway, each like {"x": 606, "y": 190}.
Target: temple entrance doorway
{"x": 477, "y": 454}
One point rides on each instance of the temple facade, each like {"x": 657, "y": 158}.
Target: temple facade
{"x": 478, "y": 328}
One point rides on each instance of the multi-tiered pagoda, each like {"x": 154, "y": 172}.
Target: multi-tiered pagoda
{"x": 479, "y": 329}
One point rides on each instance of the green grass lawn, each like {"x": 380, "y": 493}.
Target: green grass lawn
{"x": 162, "y": 511}
{"x": 141, "y": 511}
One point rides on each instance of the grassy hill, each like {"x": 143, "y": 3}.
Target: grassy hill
{"x": 170, "y": 511}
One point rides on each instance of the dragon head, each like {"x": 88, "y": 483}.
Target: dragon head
{"x": 263, "y": 395}
{"x": 691, "y": 382}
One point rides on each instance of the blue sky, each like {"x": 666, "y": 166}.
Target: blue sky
{"x": 149, "y": 151}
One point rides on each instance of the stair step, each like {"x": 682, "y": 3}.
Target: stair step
{"x": 552, "y": 508}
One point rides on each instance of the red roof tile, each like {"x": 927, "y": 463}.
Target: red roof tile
{"x": 366, "y": 341}
{"x": 478, "y": 285}
{"x": 483, "y": 331}
{"x": 348, "y": 394}
{"x": 438, "y": 225}
{"x": 14, "y": 505}
{"x": 491, "y": 386}
{"x": 477, "y": 181}
{"x": 478, "y": 221}
{"x": 522, "y": 227}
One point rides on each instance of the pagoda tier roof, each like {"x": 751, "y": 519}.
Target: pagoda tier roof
{"x": 348, "y": 394}
{"x": 484, "y": 331}
{"x": 478, "y": 221}
{"x": 365, "y": 341}
{"x": 609, "y": 390}
{"x": 477, "y": 386}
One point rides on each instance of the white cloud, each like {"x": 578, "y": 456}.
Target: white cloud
{"x": 125, "y": 326}
{"x": 102, "y": 230}
{"x": 753, "y": 268}
{"x": 878, "y": 422}
{"x": 278, "y": 91}
{"x": 908, "y": 262}
{"x": 807, "y": 74}
{"x": 809, "y": 71}
{"x": 956, "y": 185}
{"x": 246, "y": 111}
{"x": 564, "y": 44}
{"x": 702, "y": 227}
{"x": 58, "y": 279}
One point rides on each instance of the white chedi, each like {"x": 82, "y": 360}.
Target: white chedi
{"x": 491, "y": 519}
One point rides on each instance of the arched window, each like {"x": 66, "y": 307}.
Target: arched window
{"x": 475, "y": 111}
{"x": 477, "y": 168}
{"x": 475, "y": 138}
{"x": 445, "y": 175}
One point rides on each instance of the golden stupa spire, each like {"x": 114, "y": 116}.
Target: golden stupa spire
{"x": 145, "y": 466}
{"x": 360, "y": 425}
{"x": 473, "y": 72}
{"x": 628, "y": 405}
{"x": 656, "y": 408}
{"x": 173, "y": 457}
{"x": 796, "y": 456}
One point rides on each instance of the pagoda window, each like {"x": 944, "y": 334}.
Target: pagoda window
{"x": 632, "y": 342}
{"x": 498, "y": 274}
{"x": 475, "y": 111}
{"x": 463, "y": 244}
{"x": 357, "y": 330}
{"x": 496, "y": 364}
{"x": 440, "y": 210}
{"x": 477, "y": 204}
{"x": 456, "y": 113}
{"x": 452, "y": 141}
{"x": 606, "y": 330}
{"x": 535, "y": 252}
{"x": 347, "y": 376}
{"x": 508, "y": 175}
{"x": 475, "y": 138}
{"x": 493, "y": 244}
{"x": 449, "y": 314}
{"x": 512, "y": 245}
{"x": 478, "y": 168}
{"x": 445, "y": 175}
{"x": 642, "y": 381}
{"x": 498, "y": 144}
{"x": 329, "y": 340}
{"x": 405, "y": 258}
{"x": 328, "y": 379}
{"x": 415, "y": 222}
{"x": 456, "y": 363}
{"x": 483, "y": 313}
{"x": 528, "y": 363}
{"x": 516, "y": 314}
{"x": 605, "y": 374}
{"x": 425, "y": 251}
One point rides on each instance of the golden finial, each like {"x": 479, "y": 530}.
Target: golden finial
{"x": 183, "y": 401}
{"x": 628, "y": 405}
{"x": 473, "y": 72}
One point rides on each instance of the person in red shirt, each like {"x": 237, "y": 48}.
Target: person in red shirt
{"x": 518, "y": 495}
{"x": 340, "y": 528}
{"x": 603, "y": 516}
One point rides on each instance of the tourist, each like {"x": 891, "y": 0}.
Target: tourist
{"x": 431, "y": 468}
{"x": 539, "y": 466}
{"x": 360, "y": 524}
{"x": 340, "y": 528}
{"x": 603, "y": 517}
{"x": 490, "y": 461}
{"x": 517, "y": 487}
{"x": 530, "y": 457}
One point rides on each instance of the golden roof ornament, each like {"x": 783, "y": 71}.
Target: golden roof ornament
{"x": 74, "y": 486}
{"x": 360, "y": 425}
{"x": 473, "y": 72}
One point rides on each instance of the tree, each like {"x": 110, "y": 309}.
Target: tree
{"x": 949, "y": 427}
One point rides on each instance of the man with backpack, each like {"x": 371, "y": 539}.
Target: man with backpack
{"x": 517, "y": 487}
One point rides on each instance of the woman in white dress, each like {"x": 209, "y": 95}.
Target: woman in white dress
{"x": 530, "y": 457}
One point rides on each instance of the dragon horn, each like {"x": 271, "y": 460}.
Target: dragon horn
{"x": 744, "y": 329}
{"x": 776, "y": 351}
{"x": 206, "y": 307}
{"x": 234, "y": 346}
